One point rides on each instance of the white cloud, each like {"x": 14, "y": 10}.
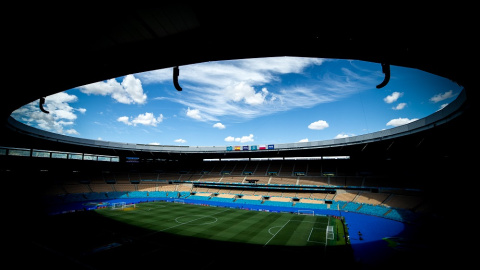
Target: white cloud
{"x": 146, "y": 119}
{"x": 61, "y": 114}
{"x": 440, "y": 97}
{"x": 343, "y": 135}
{"x": 400, "y": 106}
{"x": 393, "y": 97}
{"x": 223, "y": 73}
{"x": 180, "y": 141}
{"x": 125, "y": 120}
{"x": 243, "y": 92}
{"x": 71, "y": 131}
{"x": 304, "y": 140}
{"x": 129, "y": 91}
{"x": 245, "y": 139}
{"x": 443, "y": 106}
{"x": 219, "y": 125}
{"x": 318, "y": 125}
{"x": 194, "y": 113}
{"x": 400, "y": 121}
{"x": 82, "y": 110}
{"x": 230, "y": 139}
{"x": 242, "y": 139}
{"x": 249, "y": 88}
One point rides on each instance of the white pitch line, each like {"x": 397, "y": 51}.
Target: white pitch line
{"x": 180, "y": 224}
{"x": 276, "y": 233}
{"x": 308, "y": 240}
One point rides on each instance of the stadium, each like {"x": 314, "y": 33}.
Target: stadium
{"x": 392, "y": 198}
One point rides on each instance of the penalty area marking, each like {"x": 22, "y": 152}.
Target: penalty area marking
{"x": 310, "y": 235}
{"x": 281, "y": 227}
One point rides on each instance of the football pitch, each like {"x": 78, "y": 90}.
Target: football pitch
{"x": 227, "y": 224}
{"x": 187, "y": 235}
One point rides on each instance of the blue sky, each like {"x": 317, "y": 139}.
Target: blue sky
{"x": 244, "y": 102}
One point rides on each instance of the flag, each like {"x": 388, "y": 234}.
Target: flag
{"x": 237, "y": 148}
{"x": 262, "y": 147}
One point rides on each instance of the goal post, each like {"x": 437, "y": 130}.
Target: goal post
{"x": 118, "y": 205}
{"x": 306, "y": 212}
{"x": 122, "y": 205}
{"x": 179, "y": 201}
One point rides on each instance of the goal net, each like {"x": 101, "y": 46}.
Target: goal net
{"x": 119, "y": 205}
{"x": 122, "y": 205}
{"x": 330, "y": 235}
{"x": 306, "y": 212}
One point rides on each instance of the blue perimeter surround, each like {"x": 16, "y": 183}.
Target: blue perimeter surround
{"x": 369, "y": 247}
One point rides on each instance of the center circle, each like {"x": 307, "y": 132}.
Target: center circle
{"x": 196, "y": 220}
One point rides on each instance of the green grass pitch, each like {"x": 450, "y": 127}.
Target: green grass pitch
{"x": 226, "y": 224}
{"x": 191, "y": 236}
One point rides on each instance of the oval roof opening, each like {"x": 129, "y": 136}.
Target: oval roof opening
{"x": 243, "y": 102}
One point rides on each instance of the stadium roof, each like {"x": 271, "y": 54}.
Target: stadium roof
{"x": 79, "y": 46}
